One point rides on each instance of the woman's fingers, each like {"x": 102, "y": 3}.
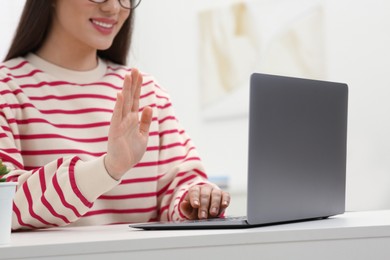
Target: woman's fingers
{"x": 127, "y": 95}
{"x": 146, "y": 120}
{"x": 208, "y": 200}
{"x": 131, "y": 91}
{"x": 137, "y": 84}
{"x": 118, "y": 110}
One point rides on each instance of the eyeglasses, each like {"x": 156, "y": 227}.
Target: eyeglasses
{"x": 126, "y": 4}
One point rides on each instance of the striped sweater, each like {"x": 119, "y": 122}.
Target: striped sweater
{"x": 53, "y": 137}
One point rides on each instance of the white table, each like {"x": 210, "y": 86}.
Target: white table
{"x": 351, "y": 236}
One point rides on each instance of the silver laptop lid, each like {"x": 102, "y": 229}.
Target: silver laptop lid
{"x": 297, "y": 149}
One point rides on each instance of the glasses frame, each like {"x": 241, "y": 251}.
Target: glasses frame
{"x": 120, "y": 2}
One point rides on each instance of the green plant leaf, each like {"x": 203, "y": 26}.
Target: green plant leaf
{"x": 3, "y": 170}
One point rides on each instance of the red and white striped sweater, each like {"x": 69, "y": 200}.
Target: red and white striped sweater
{"x": 53, "y": 137}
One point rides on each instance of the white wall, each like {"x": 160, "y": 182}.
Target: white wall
{"x": 358, "y": 40}
{"x": 358, "y": 53}
{"x": 10, "y": 12}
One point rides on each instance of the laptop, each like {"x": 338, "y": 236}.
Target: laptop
{"x": 297, "y": 154}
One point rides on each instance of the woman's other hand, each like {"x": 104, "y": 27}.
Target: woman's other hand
{"x": 204, "y": 201}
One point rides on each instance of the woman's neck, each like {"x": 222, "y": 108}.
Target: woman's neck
{"x": 69, "y": 60}
{"x": 67, "y": 55}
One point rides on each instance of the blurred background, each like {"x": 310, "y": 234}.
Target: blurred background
{"x": 203, "y": 53}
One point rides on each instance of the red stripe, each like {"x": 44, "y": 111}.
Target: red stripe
{"x": 204, "y": 175}
{"x": 9, "y": 159}
{"x": 42, "y": 180}
{"x": 78, "y": 126}
{"x": 138, "y": 180}
{"x": 20, "y": 106}
{"x": 45, "y": 83}
{"x": 30, "y": 206}
{"x": 62, "y": 197}
{"x": 120, "y": 211}
{"x": 174, "y": 131}
{"x": 24, "y": 62}
{"x": 60, "y": 111}
{"x": 31, "y": 168}
{"x": 8, "y": 91}
{"x": 72, "y": 97}
{"x": 128, "y": 196}
{"x": 53, "y": 111}
{"x": 6, "y": 129}
{"x": 162, "y": 209}
{"x": 147, "y": 82}
{"x": 155, "y": 133}
{"x": 165, "y": 106}
{"x": 145, "y": 195}
{"x": 52, "y": 211}
{"x": 59, "y": 162}
{"x": 147, "y": 95}
{"x": 10, "y": 150}
{"x": 3, "y": 106}
{"x": 65, "y": 151}
{"x": 166, "y": 190}
{"x": 76, "y": 111}
{"x": 73, "y": 183}
{"x": 150, "y": 93}
{"x": 13, "y": 178}
{"x": 144, "y": 84}
{"x": 152, "y": 148}
{"x": 161, "y": 97}
{"x": 186, "y": 179}
{"x": 173, "y": 159}
{"x": 31, "y": 73}
{"x": 165, "y": 147}
{"x": 55, "y": 136}
{"x": 173, "y": 212}
{"x": 97, "y": 154}
{"x": 44, "y": 200}
{"x": 5, "y": 80}
{"x": 19, "y": 217}
{"x": 149, "y": 164}
{"x": 167, "y": 118}
{"x": 66, "y": 83}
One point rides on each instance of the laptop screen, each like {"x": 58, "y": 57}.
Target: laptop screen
{"x": 297, "y": 148}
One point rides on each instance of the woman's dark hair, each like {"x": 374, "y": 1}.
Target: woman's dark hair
{"x": 35, "y": 23}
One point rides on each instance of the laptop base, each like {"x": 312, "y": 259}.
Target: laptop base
{"x": 214, "y": 223}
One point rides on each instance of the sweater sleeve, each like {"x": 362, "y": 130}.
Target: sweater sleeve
{"x": 179, "y": 163}
{"x": 55, "y": 194}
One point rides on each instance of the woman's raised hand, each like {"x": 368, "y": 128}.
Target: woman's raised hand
{"x": 128, "y": 134}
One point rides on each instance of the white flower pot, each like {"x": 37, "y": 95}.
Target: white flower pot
{"x": 7, "y": 193}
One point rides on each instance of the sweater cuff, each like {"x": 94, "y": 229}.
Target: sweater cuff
{"x": 93, "y": 179}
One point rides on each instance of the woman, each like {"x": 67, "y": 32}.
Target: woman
{"x": 89, "y": 140}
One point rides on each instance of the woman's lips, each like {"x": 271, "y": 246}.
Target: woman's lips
{"x": 104, "y": 26}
